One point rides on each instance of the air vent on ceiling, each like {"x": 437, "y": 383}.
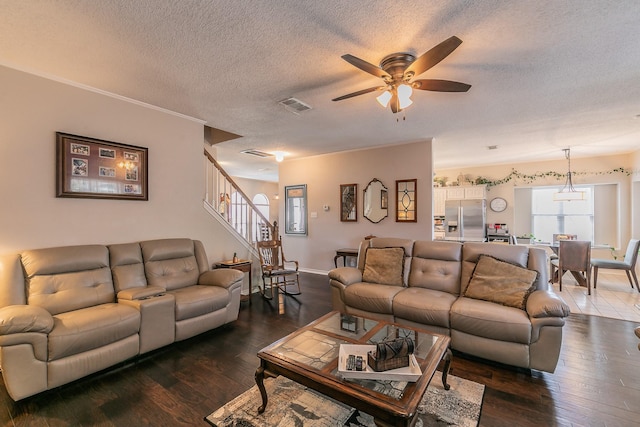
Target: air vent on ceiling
{"x": 257, "y": 153}
{"x": 294, "y": 105}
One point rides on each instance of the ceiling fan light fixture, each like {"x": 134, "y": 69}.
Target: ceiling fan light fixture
{"x": 404, "y": 92}
{"x": 384, "y": 98}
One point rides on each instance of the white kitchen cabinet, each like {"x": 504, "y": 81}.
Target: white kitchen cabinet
{"x": 439, "y": 197}
{"x": 455, "y": 193}
{"x": 442, "y": 194}
{"x": 475, "y": 192}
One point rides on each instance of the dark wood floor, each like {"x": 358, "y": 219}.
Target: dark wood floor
{"x": 597, "y": 382}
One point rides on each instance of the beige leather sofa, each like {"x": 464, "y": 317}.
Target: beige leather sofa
{"x": 71, "y": 311}
{"x": 436, "y": 276}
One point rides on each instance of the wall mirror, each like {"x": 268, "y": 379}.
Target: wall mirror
{"x": 375, "y": 203}
{"x": 295, "y": 209}
{"x": 348, "y": 202}
{"x": 406, "y": 197}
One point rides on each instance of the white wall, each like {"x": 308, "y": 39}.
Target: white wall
{"x": 323, "y": 176}
{"x": 34, "y": 108}
{"x": 635, "y": 191}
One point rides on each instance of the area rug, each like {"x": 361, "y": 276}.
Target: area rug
{"x": 293, "y": 405}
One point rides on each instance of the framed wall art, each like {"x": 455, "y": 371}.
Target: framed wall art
{"x": 295, "y": 209}
{"x": 349, "y": 202}
{"x": 93, "y": 168}
{"x": 407, "y": 197}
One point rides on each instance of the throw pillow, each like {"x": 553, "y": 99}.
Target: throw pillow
{"x": 501, "y": 282}
{"x": 384, "y": 266}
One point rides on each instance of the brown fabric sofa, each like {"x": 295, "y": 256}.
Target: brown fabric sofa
{"x": 431, "y": 296}
{"x": 67, "y": 312}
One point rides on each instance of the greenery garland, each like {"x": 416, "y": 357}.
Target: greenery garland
{"x": 528, "y": 179}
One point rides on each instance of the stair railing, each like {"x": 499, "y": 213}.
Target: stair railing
{"x": 233, "y": 207}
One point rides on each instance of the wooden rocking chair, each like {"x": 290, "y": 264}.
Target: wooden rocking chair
{"x": 277, "y": 270}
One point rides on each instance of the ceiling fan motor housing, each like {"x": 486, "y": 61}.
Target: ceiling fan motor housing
{"x": 395, "y": 64}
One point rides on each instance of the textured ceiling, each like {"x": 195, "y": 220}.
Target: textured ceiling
{"x": 545, "y": 74}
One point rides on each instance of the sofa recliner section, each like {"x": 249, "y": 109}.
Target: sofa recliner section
{"x": 71, "y": 311}
{"x": 433, "y": 298}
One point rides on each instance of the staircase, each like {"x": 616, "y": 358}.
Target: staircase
{"x": 227, "y": 203}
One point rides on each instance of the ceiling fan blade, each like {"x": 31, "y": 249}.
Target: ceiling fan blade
{"x": 433, "y": 56}
{"x": 360, "y": 92}
{"x": 365, "y": 66}
{"x": 440, "y": 85}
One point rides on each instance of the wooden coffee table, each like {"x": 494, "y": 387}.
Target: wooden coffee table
{"x": 309, "y": 356}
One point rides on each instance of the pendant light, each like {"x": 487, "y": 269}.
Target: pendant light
{"x": 568, "y": 193}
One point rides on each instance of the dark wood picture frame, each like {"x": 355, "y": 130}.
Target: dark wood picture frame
{"x": 407, "y": 200}
{"x": 96, "y": 169}
{"x": 349, "y": 202}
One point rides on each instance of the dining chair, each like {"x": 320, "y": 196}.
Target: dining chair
{"x": 574, "y": 256}
{"x": 628, "y": 264}
{"x": 276, "y": 269}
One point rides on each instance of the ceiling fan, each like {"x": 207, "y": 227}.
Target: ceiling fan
{"x": 398, "y": 69}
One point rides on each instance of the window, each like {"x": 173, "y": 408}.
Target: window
{"x": 549, "y": 217}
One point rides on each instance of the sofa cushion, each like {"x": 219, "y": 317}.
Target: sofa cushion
{"x": 194, "y": 301}
{"x": 384, "y": 266}
{"x": 472, "y": 251}
{"x": 501, "y": 282}
{"x": 171, "y": 263}
{"x": 490, "y": 320}
{"x": 436, "y": 265}
{"x": 172, "y": 273}
{"x": 81, "y": 330}
{"x": 424, "y": 306}
{"x": 127, "y": 266}
{"x": 371, "y": 297}
{"x": 68, "y": 278}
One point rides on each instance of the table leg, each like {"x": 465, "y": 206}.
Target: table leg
{"x": 445, "y": 371}
{"x": 261, "y": 374}
{"x": 582, "y": 281}
{"x": 263, "y": 392}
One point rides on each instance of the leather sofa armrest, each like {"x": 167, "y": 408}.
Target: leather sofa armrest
{"x": 16, "y": 319}
{"x": 223, "y": 277}
{"x": 140, "y": 293}
{"x": 346, "y": 275}
{"x": 546, "y": 304}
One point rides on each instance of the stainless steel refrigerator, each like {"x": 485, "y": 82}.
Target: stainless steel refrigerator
{"x": 465, "y": 220}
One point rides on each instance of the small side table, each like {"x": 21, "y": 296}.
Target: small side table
{"x": 243, "y": 265}
{"x": 344, "y": 253}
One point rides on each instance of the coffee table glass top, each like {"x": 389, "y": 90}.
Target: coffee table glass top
{"x": 317, "y": 345}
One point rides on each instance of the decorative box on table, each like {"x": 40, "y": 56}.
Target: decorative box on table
{"x": 390, "y": 354}
{"x": 409, "y": 372}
